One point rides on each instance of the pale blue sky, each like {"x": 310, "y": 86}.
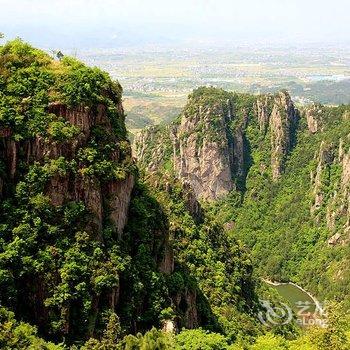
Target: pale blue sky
{"x": 122, "y": 22}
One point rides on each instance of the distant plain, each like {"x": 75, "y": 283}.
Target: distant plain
{"x": 156, "y": 81}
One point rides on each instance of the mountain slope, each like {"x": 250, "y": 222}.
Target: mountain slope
{"x": 67, "y": 177}
{"x": 85, "y": 246}
{"x": 274, "y": 176}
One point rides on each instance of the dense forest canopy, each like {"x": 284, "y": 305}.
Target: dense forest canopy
{"x": 96, "y": 253}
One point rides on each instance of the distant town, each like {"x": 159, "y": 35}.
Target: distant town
{"x": 156, "y": 82}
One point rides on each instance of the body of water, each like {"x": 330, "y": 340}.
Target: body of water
{"x": 296, "y": 296}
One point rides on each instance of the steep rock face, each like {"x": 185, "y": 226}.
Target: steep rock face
{"x": 119, "y": 194}
{"x": 283, "y": 122}
{"x": 338, "y": 206}
{"x": 62, "y": 189}
{"x": 166, "y": 265}
{"x": 203, "y": 158}
{"x": 66, "y": 180}
{"x": 199, "y": 148}
{"x": 239, "y": 156}
{"x": 192, "y": 204}
{"x": 325, "y": 158}
{"x": 73, "y": 251}
{"x": 313, "y": 115}
{"x": 187, "y": 303}
{"x": 104, "y": 200}
{"x": 330, "y": 184}
{"x": 263, "y": 111}
{"x": 208, "y": 148}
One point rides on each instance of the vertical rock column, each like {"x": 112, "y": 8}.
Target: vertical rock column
{"x": 283, "y": 122}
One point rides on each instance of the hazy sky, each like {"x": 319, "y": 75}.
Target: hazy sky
{"x": 94, "y": 23}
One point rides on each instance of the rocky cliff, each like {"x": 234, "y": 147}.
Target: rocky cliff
{"x": 330, "y": 184}
{"x": 203, "y": 149}
{"x": 283, "y": 123}
{"x": 66, "y": 179}
{"x": 64, "y": 187}
{"x": 210, "y": 146}
{"x": 84, "y": 242}
{"x": 277, "y": 178}
{"x": 313, "y": 115}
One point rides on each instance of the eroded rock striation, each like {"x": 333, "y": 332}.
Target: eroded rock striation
{"x": 210, "y": 145}
{"x": 112, "y": 196}
{"x": 200, "y": 147}
{"x": 202, "y": 151}
{"x": 313, "y": 115}
{"x": 283, "y": 123}
{"x": 330, "y": 188}
{"x": 83, "y": 238}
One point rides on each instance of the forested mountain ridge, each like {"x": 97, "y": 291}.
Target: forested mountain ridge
{"x": 278, "y": 180}
{"x": 63, "y": 153}
{"x": 85, "y": 249}
{"x": 209, "y": 144}
{"x": 94, "y": 252}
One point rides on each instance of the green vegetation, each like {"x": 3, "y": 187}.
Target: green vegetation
{"x": 20, "y": 335}
{"x": 274, "y": 219}
{"x": 220, "y": 266}
{"x": 287, "y": 241}
{"x": 197, "y": 339}
{"x": 63, "y": 266}
{"x": 30, "y": 80}
{"x": 68, "y": 276}
{"x": 56, "y": 261}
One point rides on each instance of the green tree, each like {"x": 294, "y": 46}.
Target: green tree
{"x": 199, "y": 339}
{"x": 19, "y": 335}
{"x": 268, "y": 342}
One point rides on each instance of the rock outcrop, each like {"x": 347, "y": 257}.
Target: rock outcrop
{"x": 263, "y": 111}
{"x": 112, "y": 197}
{"x": 283, "y": 123}
{"x": 66, "y": 182}
{"x": 80, "y": 241}
{"x": 202, "y": 152}
{"x": 325, "y": 158}
{"x": 338, "y": 208}
{"x": 313, "y": 115}
{"x": 332, "y": 193}
{"x": 202, "y": 149}
{"x": 210, "y": 150}
{"x": 238, "y": 162}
